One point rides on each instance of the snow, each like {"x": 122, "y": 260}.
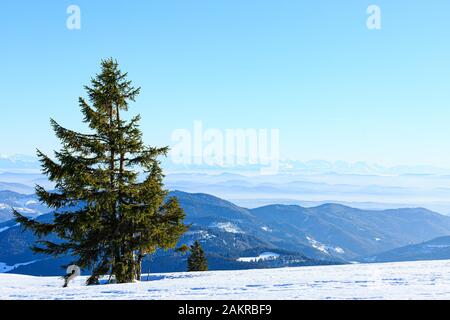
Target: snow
{"x": 6, "y": 228}
{"x": 339, "y": 250}
{"x": 26, "y": 210}
{"x": 5, "y": 268}
{"x": 262, "y": 257}
{"x": 202, "y": 234}
{"x": 316, "y": 244}
{"x": 21, "y": 210}
{"x": 227, "y": 227}
{"x": 404, "y": 280}
{"x": 438, "y": 246}
{"x": 322, "y": 247}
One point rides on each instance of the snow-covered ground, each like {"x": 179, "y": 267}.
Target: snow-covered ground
{"x": 262, "y": 257}
{"x": 407, "y": 280}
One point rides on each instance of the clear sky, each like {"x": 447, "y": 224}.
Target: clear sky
{"x": 336, "y": 90}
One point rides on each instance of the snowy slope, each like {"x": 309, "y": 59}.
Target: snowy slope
{"x": 407, "y": 280}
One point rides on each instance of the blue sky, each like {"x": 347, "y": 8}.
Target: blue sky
{"x": 336, "y": 90}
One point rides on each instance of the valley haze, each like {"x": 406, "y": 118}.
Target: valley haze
{"x": 310, "y": 183}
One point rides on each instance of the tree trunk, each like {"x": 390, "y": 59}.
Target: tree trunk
{"x": 139, "y": 266}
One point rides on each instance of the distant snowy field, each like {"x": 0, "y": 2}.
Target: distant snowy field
{"x": 407, "y": 280}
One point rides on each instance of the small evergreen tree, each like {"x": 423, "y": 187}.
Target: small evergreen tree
{"x": 197, "y": 260}
{"x": 110, "y": 208}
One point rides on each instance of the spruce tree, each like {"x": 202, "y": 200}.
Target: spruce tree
{"x": 110, "y": 208}
{"x": 197, "y": 260}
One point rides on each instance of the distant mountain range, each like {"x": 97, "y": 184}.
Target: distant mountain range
{"x": 436, "y": 249}
{"x": 26, "y": 204}
{"x": 290, "y": 166}
{"x": 18, "y": 163}
{"x": 311, "y": 183}
{"x": 26, "y": 162}
{"x": 294, "y": 235}
{"x": 360, "y": 191}
{"x": 22, "y": 182}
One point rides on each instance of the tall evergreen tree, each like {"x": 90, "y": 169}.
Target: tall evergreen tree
{"x": 110, "y": 208}
{"x": 197, "y": 260}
